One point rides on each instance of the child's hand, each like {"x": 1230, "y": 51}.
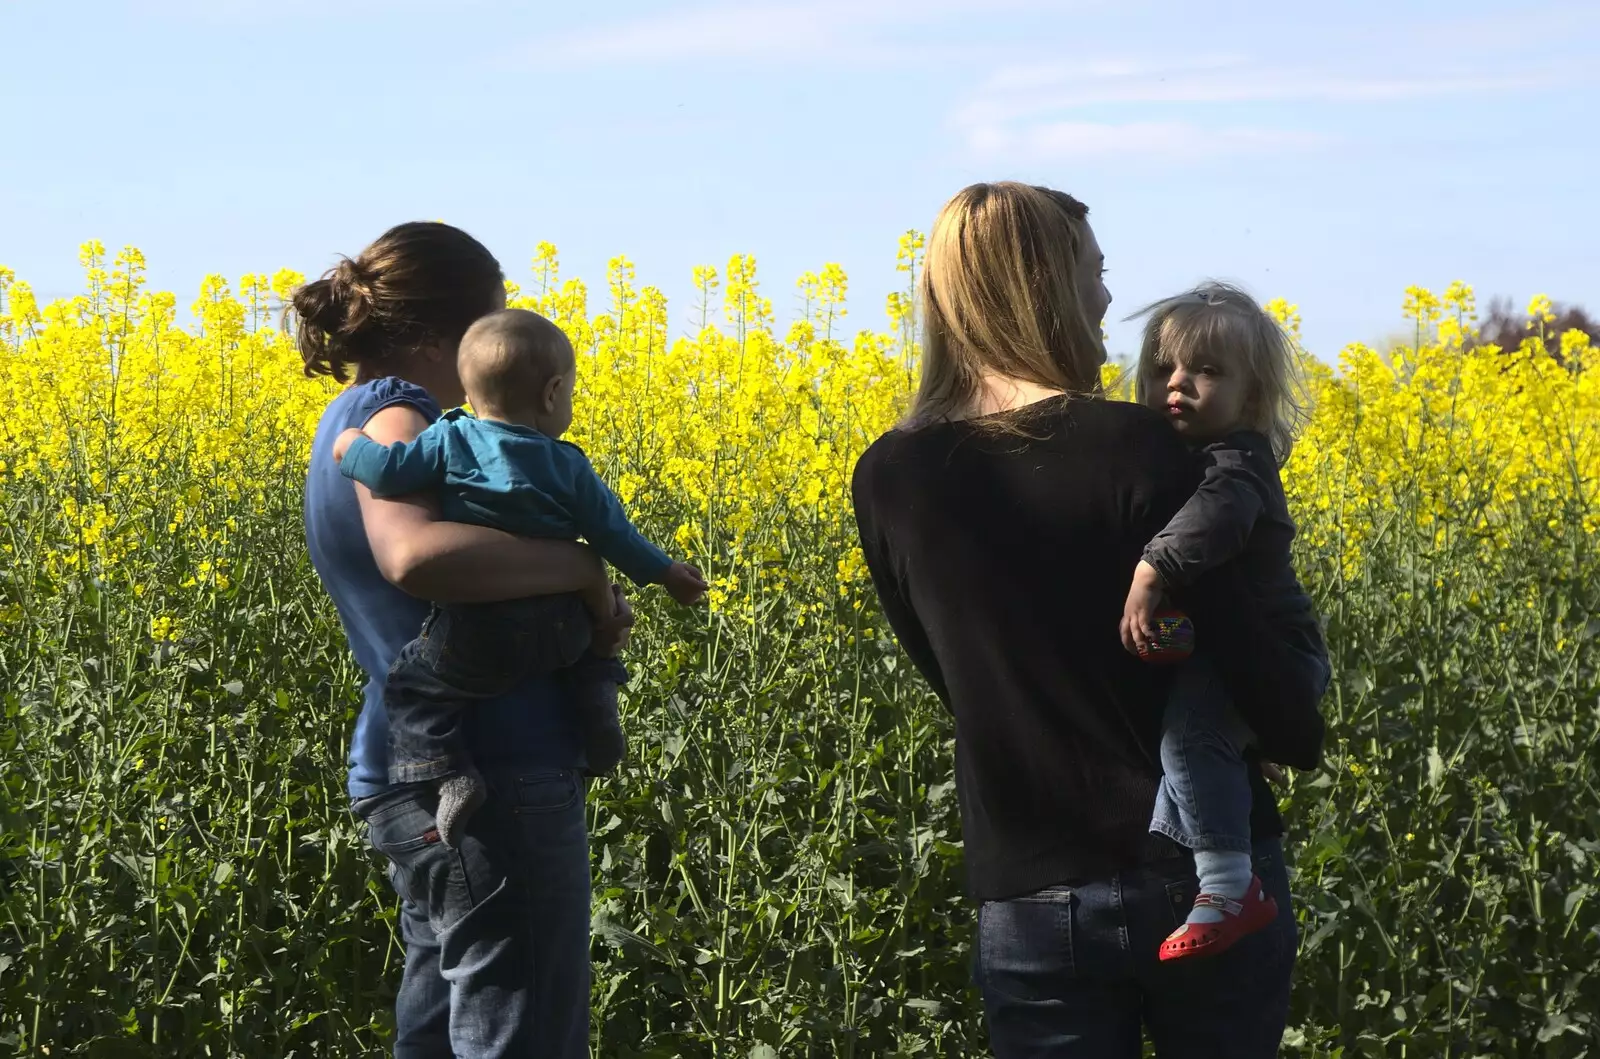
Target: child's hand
{"x": 1138, "y": 613}
{"x": 684, "y": 583}
{"x": 342, "y": 443}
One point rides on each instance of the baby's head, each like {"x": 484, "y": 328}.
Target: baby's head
{"x": 1213, "y": 361}
{"x": 518, "y": 367}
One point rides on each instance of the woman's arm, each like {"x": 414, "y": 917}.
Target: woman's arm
{"x": 892, "y": 597}
{"x": 453, "y": 562}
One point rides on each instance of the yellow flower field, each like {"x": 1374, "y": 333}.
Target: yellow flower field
{"x": 778, "y": 865}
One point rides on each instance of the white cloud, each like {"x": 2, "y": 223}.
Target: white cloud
{"x": 707, "y": 33}
{"x": 1017, "y": 93}
{"x": 1547, "y": 30}
{"x": 1165, "y": 140}
{"x": 810, "y": 30}
{"x": 1042, "y": 109}
{"x": 265, "y": 13}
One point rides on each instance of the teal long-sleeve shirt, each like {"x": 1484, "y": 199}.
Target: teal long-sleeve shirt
{"x": 510, "y": 477}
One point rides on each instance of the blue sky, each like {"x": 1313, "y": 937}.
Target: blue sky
{"x": 1330, "y": 153}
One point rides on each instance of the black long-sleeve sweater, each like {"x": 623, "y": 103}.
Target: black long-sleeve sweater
{"x": 1002, "y": 564}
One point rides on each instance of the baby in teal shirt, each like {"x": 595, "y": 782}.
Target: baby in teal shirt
{"x": 505, "y": 467}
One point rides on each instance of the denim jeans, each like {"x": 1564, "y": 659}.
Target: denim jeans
{"x": 496, "y": 932}
{"x": 1204, "y": 799}
{"x": 481, "y": 651}
{"x": 1073, "y": 971}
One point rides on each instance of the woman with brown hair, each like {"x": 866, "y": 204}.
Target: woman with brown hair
{"x": 496, "y": 931}
{"x": 1001, "y": 524}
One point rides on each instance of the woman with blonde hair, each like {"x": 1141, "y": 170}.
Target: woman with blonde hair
{"x": 1002, "y": 523}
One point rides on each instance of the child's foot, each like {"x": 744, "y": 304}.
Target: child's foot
{"x": 604, "y": 749}
{"x": 596, "y": 688}
{"x": 459, "y": 797}
{"x": 1224, "y": 873}
{"x": 1225, "y": 921}
{"x": 604, "y": 741}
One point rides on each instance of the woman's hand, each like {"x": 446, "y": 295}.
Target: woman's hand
{"x": 611, "y": 634}
{"x": 1273, "y": 773}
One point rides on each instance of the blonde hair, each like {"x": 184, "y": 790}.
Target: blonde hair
{"x": 1218, "y": 321}
{"x": 999, "y": 292}
{"x": 507, "y": 356}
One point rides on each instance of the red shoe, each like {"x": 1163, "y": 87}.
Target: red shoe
{"x": 1256, "y": 911}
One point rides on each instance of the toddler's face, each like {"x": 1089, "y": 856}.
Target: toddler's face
{"x": 1204, "y": 400}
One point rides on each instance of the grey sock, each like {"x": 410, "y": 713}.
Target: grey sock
{"x": 1221, "y": 872}
{"x": 603, "y": 743}
{"x": 459, "y": 798}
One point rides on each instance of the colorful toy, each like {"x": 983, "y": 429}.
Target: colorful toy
{"x": 1174, "y": 638}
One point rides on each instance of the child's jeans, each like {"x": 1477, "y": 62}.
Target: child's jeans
{"x": 1204, "y": 799}
{"x": 477, "y": 651}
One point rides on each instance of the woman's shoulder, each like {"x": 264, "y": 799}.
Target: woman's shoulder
{"x": 1114, "y": 427}
{"x": 885, "y": 447}
{"x": 886, "y": 462}
{"x": 900, "y": 445}
{"x": 367, "y": 399}
{"x": 1066, "y": 420}
{"x": 1089, "y": 427}
{"x": 1112, "y": 414}
{"x": 392, "y": 389}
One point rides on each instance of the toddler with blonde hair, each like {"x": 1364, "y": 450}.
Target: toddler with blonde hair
{"x": 1222, "y": 371}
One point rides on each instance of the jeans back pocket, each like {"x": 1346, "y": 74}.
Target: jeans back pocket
{"x": 545, "y": 791}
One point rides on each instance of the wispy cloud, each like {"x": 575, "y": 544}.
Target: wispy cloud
{"x": 1043, "y": 109}
{"x": 1025, "y": 91}
{"x": 269, "y": 13}
{"x": 1166, "y": 140}
{"x": 1548, "y": 30}
{"x": 784, "y": 32}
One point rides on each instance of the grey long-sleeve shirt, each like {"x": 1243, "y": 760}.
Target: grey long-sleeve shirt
{"x": 1239, "y": 512}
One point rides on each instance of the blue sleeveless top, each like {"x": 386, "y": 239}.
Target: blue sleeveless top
{"x": 533, "y": 727}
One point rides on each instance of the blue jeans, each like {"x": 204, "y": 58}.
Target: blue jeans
{"x": 1204, "y": 799}
{"x": 496, "y": 932}
{"x": 481, "y": 651}
{"x": 1073, "y": 972}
